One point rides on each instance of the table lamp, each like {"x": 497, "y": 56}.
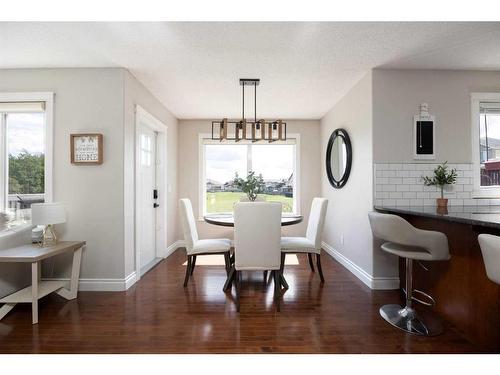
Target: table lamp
{"x": 48, "y": 214}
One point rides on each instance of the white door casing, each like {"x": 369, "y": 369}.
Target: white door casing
{"x": 150, "y": 233}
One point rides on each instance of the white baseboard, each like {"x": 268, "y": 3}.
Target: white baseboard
{"x": 115, "y": 285}
{"x": 377, "y": 283}
{"x": 173, "y": 247}
{"x": 102, "y": 285}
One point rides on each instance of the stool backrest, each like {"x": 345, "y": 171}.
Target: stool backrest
{"x": 395, "y": 229}
{"x": 490, "y": 247}
{"x": 257, "y": 235}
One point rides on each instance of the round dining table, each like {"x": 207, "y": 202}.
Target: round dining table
{"x": 227, "y": 220}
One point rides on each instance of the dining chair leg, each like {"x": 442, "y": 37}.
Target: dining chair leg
{"x": 282, "y": 264}
{"x": 320, "y": 270}
{"x": 229, "y": 280}
{"x": 227, "y": 261}
{"x": 277, "y": 288}
{"x": 193, "y": 263}
{"x": 311, "y": 265}
{"x": 188, "y": 271}
{"x": 283, "y": 281}
{"x": 237, "y": 281}
{"x": 264, "y": 273}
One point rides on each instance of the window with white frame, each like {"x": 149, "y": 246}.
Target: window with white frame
{"x": 23, "y": 153}
{"x": 486, "y": 144}
{"x": 276, "y": 162}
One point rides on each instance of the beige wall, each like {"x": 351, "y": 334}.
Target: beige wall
{"x": 137, "y": 94}
{"x": 99, "y": 199}
{"x": 310, "y": 170}
{"x": 397, "y": 95}
{"x": 348, "y": 207}
{"x": 86, "y": 100}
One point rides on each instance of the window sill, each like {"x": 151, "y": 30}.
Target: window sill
{"x": 486, "y": 194}
{"x": 15, "y": 229}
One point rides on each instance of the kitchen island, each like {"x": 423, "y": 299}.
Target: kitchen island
{"x": 465, "y": 296}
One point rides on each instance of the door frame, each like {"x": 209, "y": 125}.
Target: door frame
{"x": 141, "y": 115}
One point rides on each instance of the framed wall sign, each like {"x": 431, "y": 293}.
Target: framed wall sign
{"x": 86, "y": 148}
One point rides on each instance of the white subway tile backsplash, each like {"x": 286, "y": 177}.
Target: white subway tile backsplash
{"x": 417, "y": 188}
{"x": 401, "y": 184}
{"x": 395, "y": 167}
{"x": 395, "y": 180}
{"x": 402, "y": 173}
{"x": 395, "y": 194}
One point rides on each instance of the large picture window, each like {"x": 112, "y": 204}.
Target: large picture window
{"x": 276, "y": 162}
{"x": 23, "y": 146}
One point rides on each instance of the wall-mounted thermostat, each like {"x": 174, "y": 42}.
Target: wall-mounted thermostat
{"x": 424, "y": 134}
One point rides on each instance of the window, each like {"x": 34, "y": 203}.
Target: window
{"x": 23, "y": 159}
{"x": 486, "y": 144}
{"x": 276, "y": 162}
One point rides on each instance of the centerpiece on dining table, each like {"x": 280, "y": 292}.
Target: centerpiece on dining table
{"x": 251, "y": 186}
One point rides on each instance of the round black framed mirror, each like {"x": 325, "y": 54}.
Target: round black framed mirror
{"x": 338, "y": 158}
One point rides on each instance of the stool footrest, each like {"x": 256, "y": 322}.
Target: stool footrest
{"x": 431, "y": 301}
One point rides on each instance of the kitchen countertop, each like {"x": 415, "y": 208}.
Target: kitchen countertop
{"x": 487, "y": 216}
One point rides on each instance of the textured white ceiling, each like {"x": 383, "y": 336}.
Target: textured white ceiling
{"x": 193, "y": 68}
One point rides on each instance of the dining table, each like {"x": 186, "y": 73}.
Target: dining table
{"x": 227, "y": 220}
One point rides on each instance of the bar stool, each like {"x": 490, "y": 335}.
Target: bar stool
{"x": 490, "y": 247}
{"x": 410, "y": 243}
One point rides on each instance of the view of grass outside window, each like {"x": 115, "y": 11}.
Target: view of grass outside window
{"x": 489, "y": 143}
{"x": 275, "y": 162}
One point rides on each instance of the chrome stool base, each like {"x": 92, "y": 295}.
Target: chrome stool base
{"x": 406, "y": 319}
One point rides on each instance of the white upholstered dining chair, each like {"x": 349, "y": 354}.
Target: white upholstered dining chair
{"x": 195, "y": 246}
{"x": 311, "y": 243}
{"x": 257, "y": 233}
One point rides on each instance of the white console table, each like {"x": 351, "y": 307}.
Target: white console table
{"x": 34, "y": 254}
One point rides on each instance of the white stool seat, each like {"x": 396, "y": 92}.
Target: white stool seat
{"x": 490, "y": 247}
{"x": 216, "y": 245}
{"x": 411, "y": 252}
{"x": 298, "y": 245}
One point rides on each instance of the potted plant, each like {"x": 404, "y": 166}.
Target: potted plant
{"x": 251, "y": 186}
{"x": 441, "y": 178}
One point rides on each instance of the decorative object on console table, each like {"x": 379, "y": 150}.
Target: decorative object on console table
{"x": 424, "y": 134}
{"x": 48, "y": 214}
{"x": 251, "y": 186}
{"x": 441, "y": 178}
{"x": 86, "y": 148}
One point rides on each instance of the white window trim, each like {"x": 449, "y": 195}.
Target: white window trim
{"x": 48, "y": 98}
{"x": 480, "y": 191}
{"x": 202, "y": 140}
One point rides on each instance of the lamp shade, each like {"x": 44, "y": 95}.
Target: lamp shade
{"x": 47, "y": 213}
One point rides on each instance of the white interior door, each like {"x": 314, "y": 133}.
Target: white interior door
{"x": 146, "y": 219}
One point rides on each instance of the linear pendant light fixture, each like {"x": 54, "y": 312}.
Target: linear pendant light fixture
{"x": 261, "y": 130}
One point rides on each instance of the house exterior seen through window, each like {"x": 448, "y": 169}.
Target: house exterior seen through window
{"x": 489, "y": 144}
{"x": 276, "y": 162}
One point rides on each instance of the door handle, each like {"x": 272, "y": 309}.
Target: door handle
{"x": 156, "y": 205}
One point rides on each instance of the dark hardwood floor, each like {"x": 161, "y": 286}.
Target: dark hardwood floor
{"x": 158, "y": 315}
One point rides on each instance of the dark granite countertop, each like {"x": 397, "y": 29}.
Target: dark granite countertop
{"x": 487, "y": 216}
